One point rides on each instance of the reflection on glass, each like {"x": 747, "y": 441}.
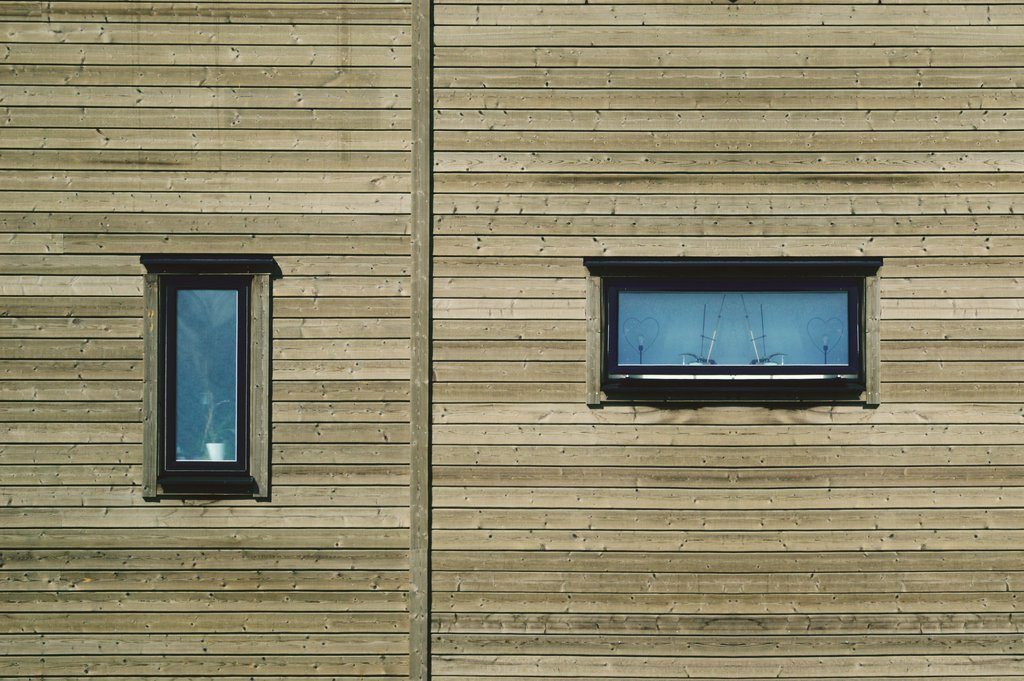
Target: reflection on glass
{"x": 206, "y": 397}
{"x": 733, "y": 328}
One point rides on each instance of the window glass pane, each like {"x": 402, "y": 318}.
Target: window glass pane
{"x": 733, "y": 328}
{"x": 206, "y": 381}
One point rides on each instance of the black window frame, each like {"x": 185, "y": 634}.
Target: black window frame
{"x": 609, "y": 381}
{"x": 248, "y": 475}
{"x": 170, "y": 286}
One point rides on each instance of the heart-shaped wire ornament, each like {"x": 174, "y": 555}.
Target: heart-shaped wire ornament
{"x": 640, "y": 334}
{"x": 825, "y": 333}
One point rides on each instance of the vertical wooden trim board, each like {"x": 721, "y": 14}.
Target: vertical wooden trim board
{"x": 151, "y": 393}
{"x": 419, "y": 397}
{"x": 872, "y": 342}
{"x": 259, "y": 381}
{"x": 595, "y": 349}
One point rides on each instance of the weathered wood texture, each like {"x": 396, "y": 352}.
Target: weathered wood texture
{"x": 748, "y": 542}
{"x": 223, "y": 127}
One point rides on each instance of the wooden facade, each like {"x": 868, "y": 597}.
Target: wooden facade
{"x": 444, "y": 503}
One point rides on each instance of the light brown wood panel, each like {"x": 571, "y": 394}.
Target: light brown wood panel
{"x": 727, "y": 499}
{"x": 757, "y": 15}
{"x": 306, "y": 392}
{"x": 680, "y": 477}
{"x": 212, "y": 517}
{"x": 791, "y": 160}
{"x": 579, "y": 247}
{"x": 103, "y": 31}
{"x": 210, "y": 75}
{"x": 587, "y": 668}
{"x": 211, "y": 559}
{"x": 200, "y": 645}
{"x": 753, "y": 35}
{"x": 284, "y": 244}
{"x": 726, "y": 121}
{"x": 762, "y": 141}
{"x": 733, "y": 183}
{"x": 129, "y": 496}
{"x": 702, "y": 520}
{"x": 542, "y": 414}
{"x": 361, "y": 348}
{"x": 765, "y": 55}
{"x": 377, "y": 623}
{"x": 348, "y": 538}
{"x": 68, "y": 454}
{"x": 92, "y": 348}
{"x": 641, "y": 455}
{"x": 188, "y": 601}
{"x": 210, "y": 12}
{"x": 711, "y": 78}
{"x": 372, "y": 666}
{"x": 750, "y": 435}
{"x": 169, "y": 96}
{"x": 225, "y": 202}
{"x": 725, "y": 604}
{"x": 182, "y": 226}
{"x": 198, "y": 160}
{"x": 186, "y": 580}
{"x": 731, "y": 562}
{"x": 312, "y": 327}
{"x": 699, "y": 646}
{"x": 239, "y": 55}
{"x": 69, "y": 327}
{"x": 136, "y": 181}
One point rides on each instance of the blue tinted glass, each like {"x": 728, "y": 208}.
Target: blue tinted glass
{"x": 733, "y": 328}
{"x": 206, "y": 398}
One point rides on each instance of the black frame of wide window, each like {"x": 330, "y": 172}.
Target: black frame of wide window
{"x": 734, "y": 382}
{"x": 853, "y": 288}
{"x": 169, "y": 288}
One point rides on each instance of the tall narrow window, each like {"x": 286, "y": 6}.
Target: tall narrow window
{"x": 207, "y": 353}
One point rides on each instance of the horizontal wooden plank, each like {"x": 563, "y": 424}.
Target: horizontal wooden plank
{"x": 188, "y": 580}
{"x": 761, "y": 141}
{"x": 347, "y": 538}
{"x": 211, "y": 517}
{"x": 341, "y": 370}
{"x": 338, "y": 54}
{"x": 787, "y": 161}
{"x": 69, "y": 327}
{"x": 592, "y": 667}
{"x": 578, "y": 247}
{"x": 727, "y": 121}
{"x": 170, "y": 96}
{"x": 318, "y": 348}
{"x": 310, "y": 328}
{"x": 751, "y": 35}
{"x": 68, "y": 264}
{"x": 743, "y": 562}
{"x": 725, "y": 604}
{"x": 901, "y": 434}
{"x": 227, "y": 201}
{"x": 308, "y": 392}
{"x": 103, "y": 30}
{"x": 92, "y": 348}
{"x": 726, "y": 646}
{"x": 893, "y": 77}
{"x": 154, "y": 623}
{"x": 731, "y": 478}
{"x": 232, "y": 601}
{"x": 688, "y": 582}
{"x": 186, "y": 226}
{"x": 715, "y": 15}
{"x": 732, "y": 183}
{"x": 725, "y": 456}
{"x": 199, "y": 160}
{"x": 209, "y": 559}
{"x": 705, "y": 520}
{"x": 142, "y": 181}
{"x": 711, "y": 625}
{"x": 203, "y": 644}
{"x": 580, "y": 497}
{"x": 371, "y": 666}
{"x": 209, "y": 75}
{"x": 211, "y": 12}
{"x": 215, "y": 243}
{"x": 764, "y": 55}
{"x": 541, "y": 414}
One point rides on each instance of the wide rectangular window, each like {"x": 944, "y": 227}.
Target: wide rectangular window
{"x": 207, "y": 367}
{"x": 679, "y": 328}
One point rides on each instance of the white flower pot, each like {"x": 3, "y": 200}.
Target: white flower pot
{"x": 217, "y": 451}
